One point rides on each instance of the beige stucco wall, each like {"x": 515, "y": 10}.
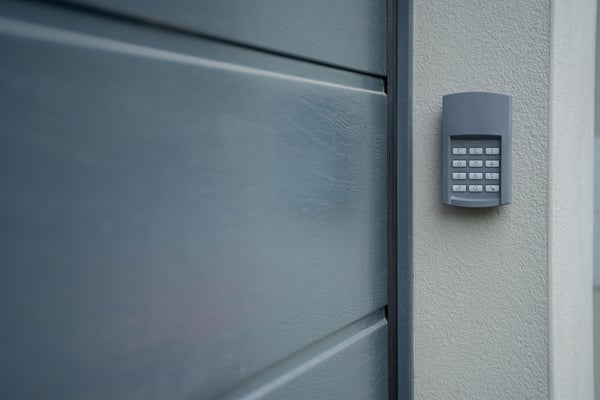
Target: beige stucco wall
{"x": 597, "y": 218}
{"x": 571, "y": 198}
{"x": 503, "y": 301}
{"x": 596, "y": 341}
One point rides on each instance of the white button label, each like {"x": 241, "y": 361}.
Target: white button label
{"x": 459, "y": 188}
{"x": 492, "y": 163}
{"x": 459, "y": 151}
{"x": 492, "y": 175}
{"x": 475, "y": 175}
{"x": 459, "y": 175}
{"x": 475, "y": 188}
{"x": 492, "y": 151}
{"x": 492, "y": 188}
{"x": 459, "y": 163}
{"x": 476, "y": 150}
{"x": 475, "y": 163}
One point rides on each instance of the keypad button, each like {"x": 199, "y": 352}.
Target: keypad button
{"x": 493, "y": 151}
{"x": 492, "y": 188}
{"x": 459, "y": 188}
{"x": 492, "y": 175}
{"x": 475, "y": 175}
{"x": 476, "y": 150}
{"x": 475, "y": 163}
{"x": 459, "y": 175}
{"x": 475, "y": 188}
{"x": 459, "y": 151}
{"x": 492, "y": 163}
{"x": 459, "y": 163}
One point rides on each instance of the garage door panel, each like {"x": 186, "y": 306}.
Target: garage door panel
{"x": 347, "y": 33}
{"x": 175, "y": 225}
{"x": 349, "y": 364}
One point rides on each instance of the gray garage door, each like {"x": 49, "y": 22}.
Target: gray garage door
{"x": 193, "y": 200}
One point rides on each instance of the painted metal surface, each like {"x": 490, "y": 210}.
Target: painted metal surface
{"x": 400, "y": 269}
{"x": 174, "y": 226}
{"x": 350, "y": 34}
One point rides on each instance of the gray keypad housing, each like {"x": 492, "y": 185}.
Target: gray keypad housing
{"x": 476, "y": 147}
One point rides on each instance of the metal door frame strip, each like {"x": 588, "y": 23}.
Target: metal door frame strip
{"x": 400, "y": 256}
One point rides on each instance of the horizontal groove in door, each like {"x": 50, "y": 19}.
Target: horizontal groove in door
{"x": 348, "y": 33}
{"x": 113, "y": 35}
{"x": 139, "y": 190}
{"x": 348, "y": 364}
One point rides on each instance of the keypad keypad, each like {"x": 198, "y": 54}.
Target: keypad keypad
{"x": 475, "y": 167}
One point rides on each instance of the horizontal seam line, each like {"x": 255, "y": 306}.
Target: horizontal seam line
{"x": 151, "y": 22}
{"x": 50, "y": 34}
{"x": 341, "y": 339}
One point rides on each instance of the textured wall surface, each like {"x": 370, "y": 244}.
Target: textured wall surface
{"x": 597, "y": 195}
{"x": 597, "y": 218}
{"x": 483, "y": 316}
{"x": 571, "y": 198}
{"x": 596, "y": 344}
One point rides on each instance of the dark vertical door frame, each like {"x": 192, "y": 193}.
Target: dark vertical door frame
{"x": 400, "y": 261}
